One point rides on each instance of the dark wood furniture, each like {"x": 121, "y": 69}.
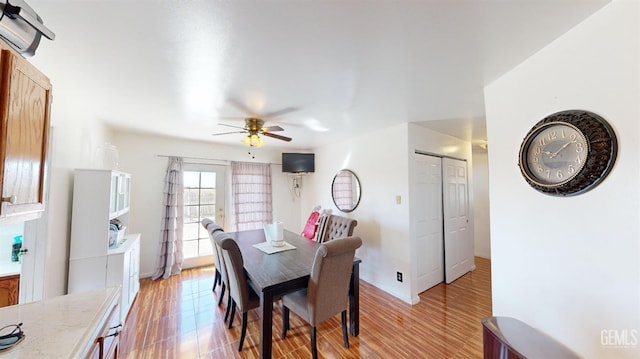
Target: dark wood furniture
{"x": 509, "y": 338}
{"x": 273, "y": 275}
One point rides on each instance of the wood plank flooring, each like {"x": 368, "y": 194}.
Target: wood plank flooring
{"x": 179, "y": 318}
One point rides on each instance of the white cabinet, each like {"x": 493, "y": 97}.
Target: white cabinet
{"x": 100, "y": 196}
{"x": 123, "y": 269}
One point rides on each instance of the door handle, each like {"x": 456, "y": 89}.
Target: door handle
{"x": 10, "y": 199}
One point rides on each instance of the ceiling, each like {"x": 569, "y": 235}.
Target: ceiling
{"x": 330, "y": 68}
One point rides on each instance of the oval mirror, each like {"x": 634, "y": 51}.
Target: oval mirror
{"x": 345, "y": 190}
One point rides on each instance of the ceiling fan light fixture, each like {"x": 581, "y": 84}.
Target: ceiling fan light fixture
{"x": 253, "y": 140}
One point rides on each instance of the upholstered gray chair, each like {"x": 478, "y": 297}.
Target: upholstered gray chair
{"x": 338, "y": 227}
{"x": 211, "y": 228}
{"x": 328, "y": 290}
{"x": 243, "y": 296}
{"x": 221, "y": 269}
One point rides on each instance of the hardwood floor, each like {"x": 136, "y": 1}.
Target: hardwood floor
{"x": 179, "y": 318}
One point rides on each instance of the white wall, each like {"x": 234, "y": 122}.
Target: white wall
{"x": 570, "y": 266}
{"x": 139, "y": 157}
{"x": 379, "y": 160}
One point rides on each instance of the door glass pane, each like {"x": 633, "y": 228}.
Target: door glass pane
{"x": 208, "y": 180}
{"x": 205, "y": 247}
{"x": 190, "y": 231}
{"x": 127, "y": 192}
{"x": 191, "y": 179}
{"x": 207, "y": 211}
{"x": 191, "y": 196}
{"x": 191, "y": 214}
{"x": 114, "y": 194}
{"x": 190, "y": 247}
{"x": 208, "y": 196}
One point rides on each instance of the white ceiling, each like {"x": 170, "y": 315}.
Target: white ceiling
{"x": 178, "y": 67}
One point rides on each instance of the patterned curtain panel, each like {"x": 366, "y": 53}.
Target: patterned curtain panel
{"x": 170, "y": 257}
{"x": 251, "y": 191}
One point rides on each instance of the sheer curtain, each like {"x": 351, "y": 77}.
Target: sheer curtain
{"x": 170, "y": 257}
{"x": 251, "y": 191}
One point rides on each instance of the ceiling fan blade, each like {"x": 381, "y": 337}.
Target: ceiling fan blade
{"x": 224, "y": 124}
{"x": 241, "y": 106}
{"x": 228, "y": 133}
{"x": 280, "y": 112}
{"x": 273, "y": 135}
{"x": 230, "y": 118}
{"x": 272, "y": 129}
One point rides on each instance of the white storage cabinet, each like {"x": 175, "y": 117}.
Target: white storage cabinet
{"x": 98, "y": 197}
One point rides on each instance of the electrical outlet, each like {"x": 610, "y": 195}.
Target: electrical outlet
{"x": 399, "y": 276}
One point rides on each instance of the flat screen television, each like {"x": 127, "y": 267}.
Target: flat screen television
{"x": 298, "y": 162}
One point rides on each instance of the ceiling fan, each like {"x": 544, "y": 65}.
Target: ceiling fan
{"x": 254, "y": 127}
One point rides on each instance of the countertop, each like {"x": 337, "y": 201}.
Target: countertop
{"x": 9, "y": 268}
{"x": 60, "y": 327}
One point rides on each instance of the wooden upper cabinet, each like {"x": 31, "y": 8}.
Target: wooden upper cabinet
{"x": 9, "y": 286}
{"x": 25, "y": 103}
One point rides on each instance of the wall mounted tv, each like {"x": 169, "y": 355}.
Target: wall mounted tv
{"x": 298, "y": 162}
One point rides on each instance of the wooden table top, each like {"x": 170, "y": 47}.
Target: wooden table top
{"x": 269, "y": 270}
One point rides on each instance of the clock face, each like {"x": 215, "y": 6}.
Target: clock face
{"x": 568, "y": 153}
{"x": 555, "y": 154}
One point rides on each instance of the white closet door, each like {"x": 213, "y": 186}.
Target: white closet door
{"x": 458, "y": 242}
{"x": 428, "y": 220}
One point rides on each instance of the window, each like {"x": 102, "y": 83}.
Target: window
{"x": 203, "y": 198}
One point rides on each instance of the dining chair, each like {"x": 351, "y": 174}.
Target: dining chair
{"x": 328, "y": 290}
{"x": 211, "y": 228}
{"x": 244, "y": 298}
{"x": 338, "y": 227}
{"x": 221, "y": 268}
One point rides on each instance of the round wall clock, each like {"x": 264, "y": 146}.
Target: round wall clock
{"x": 568, "y": 153}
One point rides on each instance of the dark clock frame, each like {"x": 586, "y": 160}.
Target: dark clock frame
{"x": 601, "y": 153}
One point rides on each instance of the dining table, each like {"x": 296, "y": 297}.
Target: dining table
{"x": 276, "y": 274}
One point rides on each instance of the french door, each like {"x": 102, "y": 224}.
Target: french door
{"x": 204, "y": 194}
